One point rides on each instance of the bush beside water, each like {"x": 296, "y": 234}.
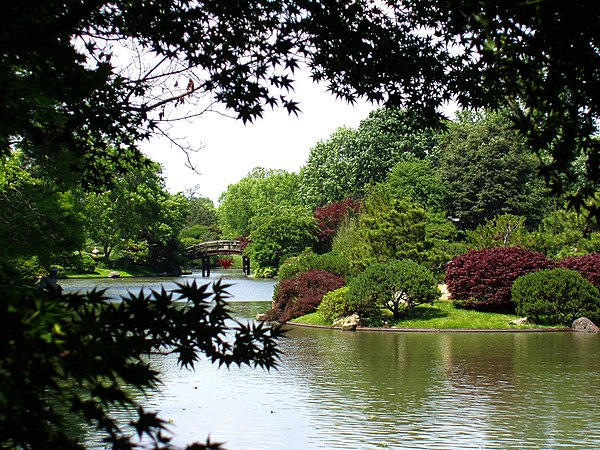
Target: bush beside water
{"x": 556, "y": 296}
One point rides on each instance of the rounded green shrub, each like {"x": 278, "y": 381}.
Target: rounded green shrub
{"x": 556, "y": 296}
{"x": 334, "y": 305}
{"x": 397, "y": 286}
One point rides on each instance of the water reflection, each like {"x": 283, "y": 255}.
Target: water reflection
{"x": 336, "y": 390}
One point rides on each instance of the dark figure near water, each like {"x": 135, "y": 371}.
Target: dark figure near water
{"x": 50, "y": 283}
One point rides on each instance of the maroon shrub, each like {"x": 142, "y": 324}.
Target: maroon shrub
{"x": 302, "y": 294}
{"x": 329, "y": 218}
{"x": 587, "y": 265}
{"x": 482, "y": 279}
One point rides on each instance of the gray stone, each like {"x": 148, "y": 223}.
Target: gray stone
{"x": 584, "y": 324}
{"x": 521, "y": 321}
{"x": 348, "y": 323}
{"x": 114, "y": 275}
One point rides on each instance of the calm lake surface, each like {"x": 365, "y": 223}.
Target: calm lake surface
{"x": 368, "y": 390}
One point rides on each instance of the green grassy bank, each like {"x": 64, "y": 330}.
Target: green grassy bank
{"x": 443, "y": 314}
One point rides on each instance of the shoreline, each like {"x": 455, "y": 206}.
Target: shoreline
{"x": 435, "y": 330}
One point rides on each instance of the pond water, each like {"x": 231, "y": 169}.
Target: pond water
{"x": 368, "y": 390}
{"x": 242, "y": 288}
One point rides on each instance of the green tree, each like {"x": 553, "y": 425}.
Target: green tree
{"x": 254, "y": 195}
{"x": 351, "y": 160}
{"x": 388, "y": 228}
{"x": 564, "y": 233}
{"x": 489, "y": 170}
{"x": 66, "y": 98}
{"x": 418, "y": 181}
{"x": 37, "y": 220}
{"x": 394, "y": 228}
{"x": 202, "y": 210}
{"x": 286, "y": 232}
{"x": 139, "y": 218}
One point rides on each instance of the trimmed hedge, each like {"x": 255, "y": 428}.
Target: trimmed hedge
{"x": 556, "y": 296}
{"x": 586, "y": 265}
{"x": 302, "y": 294}
{"x": 482, "y": 279}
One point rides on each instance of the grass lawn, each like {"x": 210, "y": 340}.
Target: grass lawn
{"x": 103, "y": 273}
{"x": 443, "y": 315}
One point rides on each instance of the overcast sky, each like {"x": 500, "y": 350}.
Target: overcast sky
{"x": 232, "y": 149}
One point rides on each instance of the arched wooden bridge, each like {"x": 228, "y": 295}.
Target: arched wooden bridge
{"x": 204, "y": 250}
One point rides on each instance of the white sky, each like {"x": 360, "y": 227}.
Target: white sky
{"x": 232, "y": 149}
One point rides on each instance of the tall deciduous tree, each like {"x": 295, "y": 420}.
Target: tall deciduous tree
{"x": 254, "y": 195}
{"x": 286, "y": 231}
{"x": 417, "y": 180}
{"x": 351, "y": 160}
{"x": 489, "y": 170}
{"x": 140, "y": 218}
{"x": 37, "y": 220}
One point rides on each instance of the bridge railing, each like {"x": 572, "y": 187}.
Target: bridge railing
{"x": 204, "y": 250}
{"x": 211, "y": 248}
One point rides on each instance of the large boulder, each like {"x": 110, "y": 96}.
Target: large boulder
{"x": 584, "y": 324}
{"x": 348, "y": 323}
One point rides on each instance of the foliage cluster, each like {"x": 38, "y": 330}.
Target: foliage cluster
{"x": 587, "y": 265}
{"x": 351, "y": 160}
{"x": 329, "y": 218}
{"x": 79, "y": 356}
{"x": 387, "y": 228}
{"x": 397, "y": 286}
{"x": 482, "y": 279}
{"x": 334, "y": 305}
{"x": 257, "y": 194}
{"x": 556, "y": 296}
{"x": 309, "y": 260}
{"x": 284, "y": 232}
{"x": 564, "y": 233}
{"x": 302, "y": 294}
{"x": 489, "y": 170}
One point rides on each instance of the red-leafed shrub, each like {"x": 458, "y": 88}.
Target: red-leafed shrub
{"x": 225, "y": 263}
{"x": 587, "y": 265}
{"x": 302, "y": 294}
{"x": 329, "y": 218}
{"x": 482, "y": 279}
{"x": 244, "y": 241}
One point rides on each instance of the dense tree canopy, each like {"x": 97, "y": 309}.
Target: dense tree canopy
{"x": 283, "y": 232}
{"x": 37, "y": 220}
{"x": 417, "y": 180}
{"x": 140, "y": 218}
{"x": 488, "y": 170}
{"x": 68, "y": 97}
{"x": 258, "y": 192}
{"x": 351, "y": 160}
